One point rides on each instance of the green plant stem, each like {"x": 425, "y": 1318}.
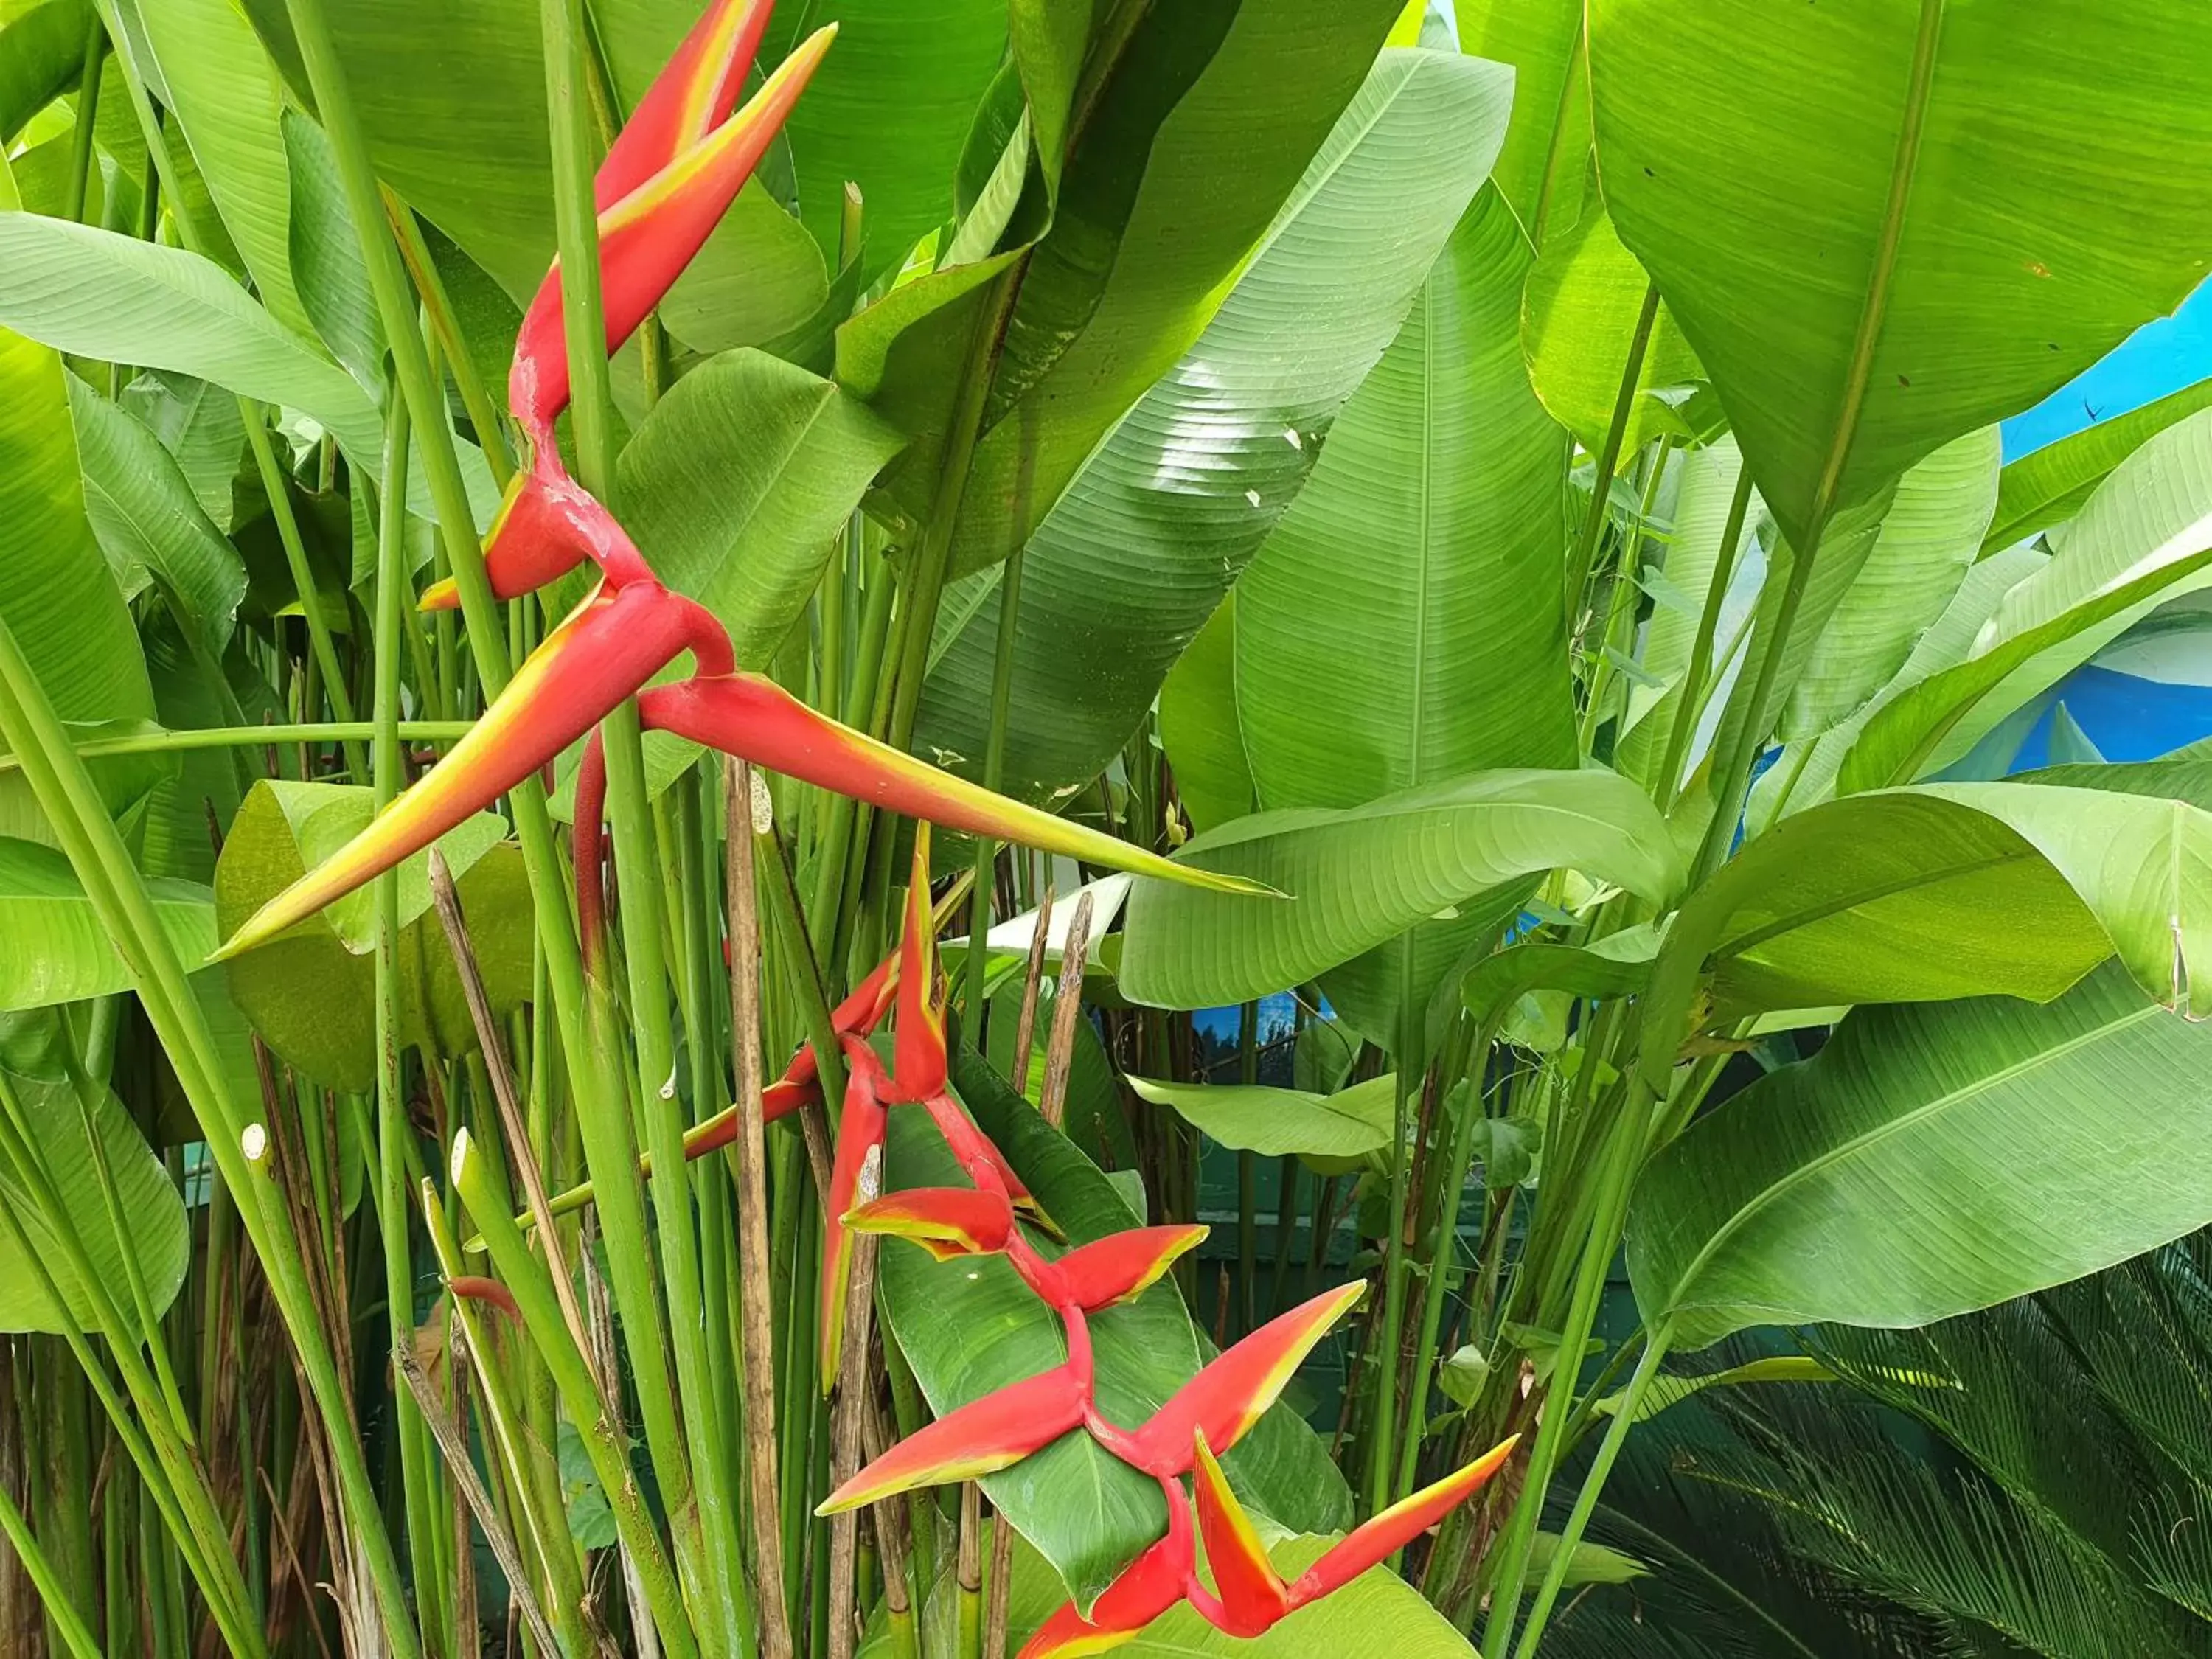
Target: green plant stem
{"x": 1730, "y": 786}
{"x": 1608, "y": 1449}
{"x": 693, "y": 1474}
{"x": 1412, "y": 1032}
{"x": 445, "y": 323}
{"x": 1608, "y": 457}
{"x": 254, "y": 737}
{"x": 831, "y": 920}
{"x": 73, "y": 808}
{"x": 1435, "y": 1292}
{"x": 526, "y": 1277}
{"x": 61, "y": 1614}
{"x": 275, "y": 485}
{"x": 530, "y": 1471}
{"x": 1247, "y": 1174}
{"x": 1609, "y": 1203}
{"x": 87, "y": 113}
{"x": 420, "y": 1488}
{"x": 1691, "y": 698}
{"x": 995, "y": 771}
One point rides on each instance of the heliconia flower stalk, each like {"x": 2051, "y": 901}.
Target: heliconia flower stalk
{"x": 651, "y": 232}
{"x": 979, "y": 1438}
{"x": 749, "y": 715}
{"x": 611, "y": 643}
{"x": 1227, "y": 1397}
{"x": 859, "y": 1147}
{"x": 1148, "y": 1587}
{"x": 918, "y": 1066}
{"x": 547, "y": 525}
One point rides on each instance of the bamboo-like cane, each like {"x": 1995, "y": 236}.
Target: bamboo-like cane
{"x": 1067, "y": 1005}
{"x": 748, "y": 1152}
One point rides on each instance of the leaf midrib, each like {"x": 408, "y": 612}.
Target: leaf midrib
{"x": 1875, "y": 313}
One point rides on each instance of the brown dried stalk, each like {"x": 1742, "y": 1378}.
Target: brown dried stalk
{"x": 749, "y": 1155}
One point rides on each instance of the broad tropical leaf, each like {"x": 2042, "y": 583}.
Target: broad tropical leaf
{"x": 52, "y": 949}
{"x": 1087, "y": 337}
{"x": 1355, "y": 878}
{"x": 737, "y": 483}
{"x": 310, "y": 993}
{"x": 1138, "y": 554}
{"x": 2048, "y": 485}
{"x": 1252, "y": 1118}
{"x": 58, "y": 599}
{"x": 160, "y": 1241}
{"x": 1931, "y": 1160}
{"x": 1919, "y": 239}
{"x": 1577, "y": 324}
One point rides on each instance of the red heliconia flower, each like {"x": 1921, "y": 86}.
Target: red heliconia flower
{"x": 1117, "y": 1268}
{"x": 655, "y": 228}
{"x": 1232, "y": 1394}
{"x": 1251, "y": 1596}
{"x": 547, "y": 525}
{"x": 672, "y": 174}
{"x": 979, "y": 1438}
{"x": 957, "y": 1221}
{"x": 948, "y": 1222}
{"x": 474, "y": 1288}
{"x": 1148, "y": 1587}
{"x": 749, "y": 715}
{"x": 612, "y": 643}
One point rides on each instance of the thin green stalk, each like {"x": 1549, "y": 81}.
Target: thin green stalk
{"x": 525, "y": 1278}
{"x": 835, "y": 848}
{"x": 1442, "y": 1258}
{"x": 253, "y": 737}
{"x": 438, "y": 306}
{"x": 1608, "y": 457}
{"x": 1729, "y": 786}
{"x": 73, "y": 808}
{"x": 529, "y": 1468}
{"x": 692, "y": 1467}
{"x": 88, "y": 112}
{"x": 994, "y": 770}
{"x": 1616, "y": 1436}
{"x": 1602, "y": 1241}
{"x": 1626, "y": 592}
{"x": 62, "y": 1617}
{"x": 1412, "y": 1032}
{"x": 420, "y": 1488}
{"x": 1691, "y": 695}
{"x": 1248, "y": 1174}
{"x": 1287, "y": 1178}
{"x": 275, "y": 485}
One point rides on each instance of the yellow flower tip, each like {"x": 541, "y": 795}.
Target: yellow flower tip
{"x": 444, "y": 594}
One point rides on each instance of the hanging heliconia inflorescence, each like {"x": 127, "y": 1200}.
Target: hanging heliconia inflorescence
{"x": 672, "y": 172}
